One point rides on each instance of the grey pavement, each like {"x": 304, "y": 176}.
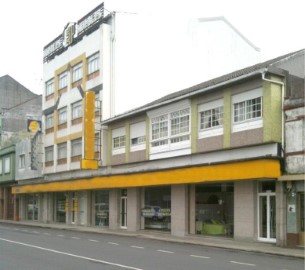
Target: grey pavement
{"x": 188, "y": 239}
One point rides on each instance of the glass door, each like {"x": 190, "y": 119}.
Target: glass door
{"x": 123, "y": 209}
{"x": 266, "y": 217}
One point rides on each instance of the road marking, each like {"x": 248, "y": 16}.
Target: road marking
{"x": 35, "y": 232}
{"x": 16, "y": 229}
{"x": 46, "y": 233}
{"x": 71, "y": 255}
{"x": 136, "y": 247}
{"x": 92, "y": 240}
{"x": 249, "y": 264}
{"x": 60, "y": 235}
{"x": 111, "y": 243}
{"x": 24, "y": 230}
{"x": 202, "y": 257}
{"x": 75, "y": 238}
{"x": 165, "y": 251}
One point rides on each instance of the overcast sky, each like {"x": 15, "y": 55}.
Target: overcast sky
{"x": 274, "y": 26}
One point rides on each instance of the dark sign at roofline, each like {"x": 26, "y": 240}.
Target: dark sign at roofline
{"x": 73, "y": 32}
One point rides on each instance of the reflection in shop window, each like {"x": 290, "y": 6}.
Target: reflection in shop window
{"x": 60, "y": 207}
{"x": 215, "y": 209}
{"x": 102, "y": 208}
{"x": 157, "y": 209}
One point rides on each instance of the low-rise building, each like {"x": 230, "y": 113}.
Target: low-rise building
{"x": 204, "y": 161}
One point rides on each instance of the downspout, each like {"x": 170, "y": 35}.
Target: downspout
{"x": 283, "y": 95}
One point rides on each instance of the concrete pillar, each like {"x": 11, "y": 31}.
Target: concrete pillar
{"x": 114, "y": 209}
{"x": 1, "y": 202}
{"x": 16, "y": 208}
{"x": 23, "y": 207}
{"x": 245, "y": 210}
{"x": 133, "y": 209}
{"x": 179, "y": 210}
{"x": 192, "y": 209}
{"x": 281, "y": 226}
{"x": 5, "y": 202}
{"x": 43, "y": 207}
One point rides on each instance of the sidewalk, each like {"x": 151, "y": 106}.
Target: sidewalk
{"x": 189, "y": 239}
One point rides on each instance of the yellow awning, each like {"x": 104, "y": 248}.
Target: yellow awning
{"x": 245, "y": 170}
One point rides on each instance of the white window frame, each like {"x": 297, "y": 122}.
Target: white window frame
{"x": 93, "y": 63}
{"x": 166, "y": 140}
{"x": 7, "y": 165}
{"x": 62, "y": 150}
{"x": 77, "y": 72}
{"x": 251, "y": 122}
{"x": 118, "y": 141}
{"x": 62, "y": 115}
{"x": 76, "y": 147}
{"x": 77, "y": 110}
{"x": 138, "y": 136}
{"x": 50, "y": 87}
{"x": 63, "y": 80}
{"x": 49, "y": 152}
{"x": 216, "y": 130}
{"x": 1, "y": 166}
{"x": 22, "y": 161}
{"x": 49, "y": 120}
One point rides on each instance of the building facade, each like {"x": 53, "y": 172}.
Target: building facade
{"x": 204, "y": 161}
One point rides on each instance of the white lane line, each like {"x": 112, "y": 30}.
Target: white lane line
{"x": 60, "y": 235}
{"x": 165, "y": 251}
{"x": 16, "y": 229}
{"x": 24, "y": 230}
{"x": 111, "y": 243}
{"x": 35, "y": 232}
{"x": 136, "y": 247}
{"x": 249, "y": 264}
{"x": 46, "y": 233}
{"x": 201, "y": 257}
{"x": 92, "y": 240}
{"x": 71, "y": 255}
{"x": 77, "y": 238}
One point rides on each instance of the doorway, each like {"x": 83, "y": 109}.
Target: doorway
{"x": 267, "y": 214}
{"x": 123, "y": 209}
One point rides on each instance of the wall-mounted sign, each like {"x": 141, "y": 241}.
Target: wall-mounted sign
{"x": 72, "y": 30}
{"x": 33, "y": 126}
{"x": 291, "y": 208}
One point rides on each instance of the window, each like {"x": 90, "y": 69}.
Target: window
{"x": 248, "y": 109}
{"x": 76, "y": 147}
{"x": 93, "y": 63}
{"x": 49, "y": 121}
{"x": 77, "y": 110}
{"x": 180, "y": 122}
{"x": 63, "y": 80}
{"x": 211, "y": 118}
{"x": 119, "y": 142}
{"x": 22, "y": 161}
{"x": 138, "y": 136}
{"x": 7, "y": 165}
{"x": 49, "y": 87}
{"x": 62, "y": 115}
{"x": 49, "y": 154}
{"x": 1, "y": 166}
{"x": 97, "y": 143}
{"x": 97, "y": 102}
{"x": 77, "y": 72}
{"x": 170, "y": 128}
{"x": 159, "y": 127}
{"x": 62, "y": 151}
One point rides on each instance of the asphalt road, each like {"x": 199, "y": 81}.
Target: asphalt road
{"x": 34, "y": 248}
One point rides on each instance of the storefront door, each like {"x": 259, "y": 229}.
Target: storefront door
{"x": 123, "y": 209}
{"x": 266, "y": 217}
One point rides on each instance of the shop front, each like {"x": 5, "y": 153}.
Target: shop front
{"x": 157, "y": 209}
{"x": 101, "y": 208}
{"x": 215, "y": 209}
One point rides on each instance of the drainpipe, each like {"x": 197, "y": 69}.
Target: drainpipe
{"x": 283, "y": 95}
